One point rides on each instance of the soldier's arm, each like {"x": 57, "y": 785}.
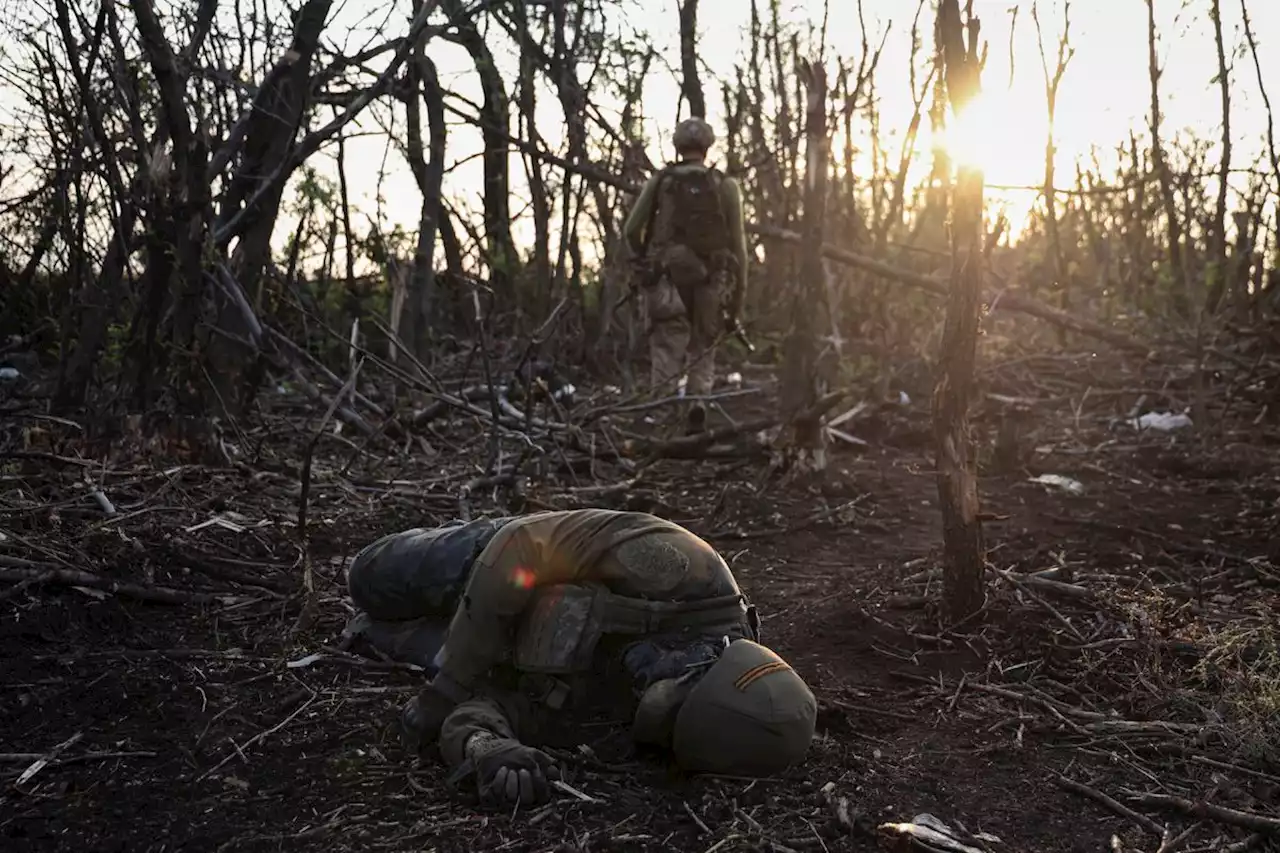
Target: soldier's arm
{"x": 732, "y": 195}
{"x": 638, "y": 219}
{"x": 480, "y": 714}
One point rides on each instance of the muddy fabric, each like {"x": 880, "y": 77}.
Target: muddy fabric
{"x": 575, "y": 546}
{"x": 415, "y": 641}
{"x": 419, "y": 572}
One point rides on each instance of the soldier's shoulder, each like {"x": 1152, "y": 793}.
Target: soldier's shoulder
{"x": 729, "y": 185}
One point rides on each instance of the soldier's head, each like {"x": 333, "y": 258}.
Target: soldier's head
{"x": 749, "y": 714}
{"x": 692, "y": 139}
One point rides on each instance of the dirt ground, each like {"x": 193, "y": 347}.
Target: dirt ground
{"x": 209, "y": 725}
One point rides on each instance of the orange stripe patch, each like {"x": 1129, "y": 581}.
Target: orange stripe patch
{"x": 756, "y": 673}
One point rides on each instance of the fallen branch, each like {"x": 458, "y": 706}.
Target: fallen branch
{"x": 1051, "y": 706}
{"x": 1208, "y": 811}
{"x": 71, "y": 577}
{"x": 938, "y": 287}
{"x": 73, "y": 759}
{"x": 1044, "y": 584}
{"x": 1026, "y": 589}
{"x": 34, "y": 580}
{"x": 1141, "y": 727}
{"x": 1114, "y": 805}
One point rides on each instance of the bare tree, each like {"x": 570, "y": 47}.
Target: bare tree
{"x": 495, "y": 128}
{"x": 957, "y": 482}
{"x": 1262, "y": 90}
{"x": 1173, "y": 227}
{"x": 691, "y": 85}
{"x": 804, "y": 377}
{"x": 1051, "y": 83}
{"x": 1218, "y": 234}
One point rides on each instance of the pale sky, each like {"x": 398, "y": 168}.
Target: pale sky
{"x": 1103, "y": 94}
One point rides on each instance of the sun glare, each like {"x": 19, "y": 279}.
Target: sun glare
{"x": 1002, "y": 135}
{"x": 998, "y": 135}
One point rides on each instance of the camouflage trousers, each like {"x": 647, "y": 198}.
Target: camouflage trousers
{"x": 684, "y": 323}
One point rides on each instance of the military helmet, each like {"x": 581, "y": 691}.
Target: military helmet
{"x": 693, "y": 133}
{"x": 750, "y": 714}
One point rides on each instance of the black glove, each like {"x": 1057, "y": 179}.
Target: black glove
{"x": 506, "y": 771}
{"x": 730, "y": 323}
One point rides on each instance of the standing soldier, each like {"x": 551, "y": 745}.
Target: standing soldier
{"x": 686, "y": 233}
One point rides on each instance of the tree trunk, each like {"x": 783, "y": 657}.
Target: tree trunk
{"x": 540, "y": 205}
{"x": 495, "y": 129}
{"x": 804, "y": 380}
{"x": 350, "y": 298}
{"x": 1218, "y": 234}
{"x": 1173, "y": 227}
{"x": 691, "y": 85}
{"x": 429, "y": 175}
{"x": 1051, "y": 84}
{"x": 424, "y": 257}
{"x": 957, "y": 482}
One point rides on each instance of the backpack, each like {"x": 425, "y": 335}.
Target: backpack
{"x": 687, "y": 211}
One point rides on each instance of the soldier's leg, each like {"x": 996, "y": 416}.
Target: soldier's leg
{"x": 404, "y": 595}
{"x": 668, "y": 334}
{"x": 705, "y": 328}
{"x": 667, "y": 342}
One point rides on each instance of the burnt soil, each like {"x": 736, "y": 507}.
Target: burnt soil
{"x": 214, "y": 725}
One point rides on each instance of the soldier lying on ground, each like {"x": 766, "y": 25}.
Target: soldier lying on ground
{"x": 543, "y": 611}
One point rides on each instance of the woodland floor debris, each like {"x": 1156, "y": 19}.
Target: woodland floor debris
{"x": 1114, "y": 685}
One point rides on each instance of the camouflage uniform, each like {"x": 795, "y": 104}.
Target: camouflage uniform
{"x": 552, "y": 599}
{"x": 687, "y": 227}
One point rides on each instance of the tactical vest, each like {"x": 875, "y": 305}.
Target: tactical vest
{"x": 687, "y": 211}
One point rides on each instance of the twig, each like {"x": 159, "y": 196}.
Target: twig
{"x": 304, "y": 493}
{"x": 1049, "y": 585}
{"x": 1112, "y": 804}
{"x": 239, "y": 750}
{"x": 813, "y": 519}
{"x": 706, "y": 830}
{"x": 1222, "y": 765}
{"x": 574, "y": 792}
{"x": 1038, "y": 600}
{"x": 1036, "y": 700}
{"x": 43, "y": 761}
{"x": 74, "y": 759}
{"x": 666, "y": 401}
{"x": 1175, "y": 843}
